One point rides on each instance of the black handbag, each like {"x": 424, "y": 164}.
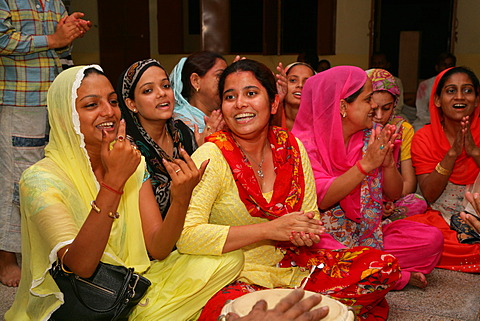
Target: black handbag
{"x": 109, "y": 294}
{"x": 465, "y": 234}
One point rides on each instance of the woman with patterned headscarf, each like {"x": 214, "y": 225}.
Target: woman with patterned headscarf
{"x": 354, "y": 170}
{"x": 385, "y": 95}
{"x": 147, "y": 102}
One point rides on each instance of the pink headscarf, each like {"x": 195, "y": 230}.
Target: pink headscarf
{"x": 319, "y": 126}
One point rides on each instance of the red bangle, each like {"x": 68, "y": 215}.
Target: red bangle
{"x": 360, "y": 168}
{"x": 111, "y": 189}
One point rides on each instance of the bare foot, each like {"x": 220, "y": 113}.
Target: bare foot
{"x": 9, "y": 269}
{"x": 418, "y": 279}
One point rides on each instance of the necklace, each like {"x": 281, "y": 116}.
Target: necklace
{"x": 259, "y": 165}
{"x": 165, "y": 144}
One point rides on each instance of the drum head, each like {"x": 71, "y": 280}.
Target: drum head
{"x": 243, "y": 305}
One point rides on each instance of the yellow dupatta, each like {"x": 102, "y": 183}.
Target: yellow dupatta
{"x": 55, "y": 196}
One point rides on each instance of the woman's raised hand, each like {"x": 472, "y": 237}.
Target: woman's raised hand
{"x": 281, "y": 82}
{"x": 213, "y": 124}
{"x": 380, "y": 148}
{"x": 121, "y": 160}
{"x": 237, "y": 58}
{"x": 185, "y": 176}
{"x": 459, "y": 141}
{"x": 469, "y": 143}
{"x": 297, "y": 227}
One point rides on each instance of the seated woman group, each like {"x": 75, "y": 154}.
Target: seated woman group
{"x": 256, "y": 201}
{"x": 258, "y": 195}
{"x": 354, "y": 169}
{"x": 69, "y": 200}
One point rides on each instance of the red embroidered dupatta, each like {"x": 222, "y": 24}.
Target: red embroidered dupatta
{"x": 289, "y": 186}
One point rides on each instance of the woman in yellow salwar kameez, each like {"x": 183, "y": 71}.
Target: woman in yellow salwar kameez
{"x": 70, "y": 201}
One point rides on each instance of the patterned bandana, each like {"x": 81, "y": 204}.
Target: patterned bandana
{"x": 180, "y": 133}
{"x": 382, "y": 80}
{"x": 132, "y": 76}
{"x": 289, "y": 187}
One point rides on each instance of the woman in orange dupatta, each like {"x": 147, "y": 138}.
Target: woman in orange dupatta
{"x": 446, "y": 157}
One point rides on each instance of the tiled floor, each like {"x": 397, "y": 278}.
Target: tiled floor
{"x": 450, "y": 296}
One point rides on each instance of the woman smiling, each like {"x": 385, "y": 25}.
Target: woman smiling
{"x": 354, "y": 170}
{"x": 89, "y": 201}
{"x": 258, "y": 195}
{"x": 446, "y": 156}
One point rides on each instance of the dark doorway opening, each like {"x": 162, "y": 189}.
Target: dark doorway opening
{"x": 124, "y": 34}
{"x": 433, "y": 19}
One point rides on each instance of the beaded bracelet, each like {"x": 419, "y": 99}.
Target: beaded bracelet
{"x": 111, "y": 189}
{"x": 98, "y": 210}
{"x": 441, "y": 170}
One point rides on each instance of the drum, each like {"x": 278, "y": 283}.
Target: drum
{"x": 243, "y": 305}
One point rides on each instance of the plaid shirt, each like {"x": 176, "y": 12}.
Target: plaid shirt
{"x": 27, "y": 66}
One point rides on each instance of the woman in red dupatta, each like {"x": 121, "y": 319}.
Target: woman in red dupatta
{"x": 446, "y": 157}
{"x": 258, "y": 195}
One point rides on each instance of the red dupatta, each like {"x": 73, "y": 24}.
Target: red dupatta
{"x": 289, "y": 186}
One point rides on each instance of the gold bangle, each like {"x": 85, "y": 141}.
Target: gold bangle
{"x": 61, "y": 262}
{"x": 441, "y": 170}
{"x": 98, "y": 210}
{"x": 113, "y": 215}
{"x": 94, "y": 206}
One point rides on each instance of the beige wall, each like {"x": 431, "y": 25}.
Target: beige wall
{"x": 352, "y": 36}
{"x": 86, "y": 50}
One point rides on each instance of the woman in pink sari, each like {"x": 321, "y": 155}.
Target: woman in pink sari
{"x": 354, "y": 169}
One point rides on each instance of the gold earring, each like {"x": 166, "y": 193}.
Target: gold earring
{"x": 344, "y": 114}
{"x": 134, "y": 110}
{"x": 197, "y": 89}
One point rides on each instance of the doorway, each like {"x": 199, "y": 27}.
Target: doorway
{"x": 124, "y": 34}
{"x": 431, "y": 20}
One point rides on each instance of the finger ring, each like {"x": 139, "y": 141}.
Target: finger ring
{"x": 120, "y": 138}
{"x": 178, "y": 170}
{"x": 382, "y": 147}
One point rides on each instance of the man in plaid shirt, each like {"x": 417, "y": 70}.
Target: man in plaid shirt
{"x": 34, "y": 36}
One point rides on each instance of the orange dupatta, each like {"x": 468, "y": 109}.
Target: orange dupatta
{"x": 430, "y": 144}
